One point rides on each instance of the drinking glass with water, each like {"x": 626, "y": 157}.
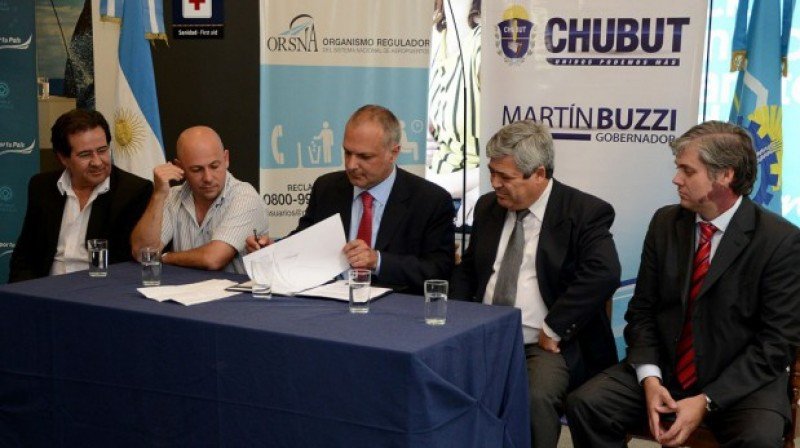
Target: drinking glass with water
{"x": 435, "y": 302}
{"x": 359, "y": 283}
{"x": 98, "y": 257}
{"x": 151, "y": 266}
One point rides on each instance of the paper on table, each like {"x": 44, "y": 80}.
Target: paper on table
{"x": 190, "y": 294}
{"x": 306, "y": 259}
{"x": 339, "y": 290}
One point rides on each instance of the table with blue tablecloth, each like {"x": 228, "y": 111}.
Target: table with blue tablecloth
{"x": 90, "y": 362}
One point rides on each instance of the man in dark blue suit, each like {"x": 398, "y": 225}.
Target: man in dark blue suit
{"x": 399, "y": 225}
{"x": 545, "y": 248}
{"x": 715, "y": 318}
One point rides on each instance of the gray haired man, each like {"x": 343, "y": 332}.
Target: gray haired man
{"x": 545, "y": 248}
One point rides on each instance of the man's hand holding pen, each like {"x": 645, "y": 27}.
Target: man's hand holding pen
{"x": 256, "y": 241}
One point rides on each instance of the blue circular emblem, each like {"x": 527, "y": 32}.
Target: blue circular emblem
{"x": 6, "y": 193}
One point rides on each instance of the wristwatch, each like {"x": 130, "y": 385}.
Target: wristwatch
{"x": 710, "y": 405}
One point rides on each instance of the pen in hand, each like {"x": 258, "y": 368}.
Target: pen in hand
{"x": 255, "y": 235}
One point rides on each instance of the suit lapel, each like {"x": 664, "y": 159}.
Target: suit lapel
{"x": 344, "y": 204}
{"x": 489, "y": 240}
{"x": 100, "y": 218}
{"x": 734, "y": 240}
{"x": 684, "y": 237}
{"x": 56, "y": 215}
{"x": 553, "y": 242}
{"x": 395, "y": 212}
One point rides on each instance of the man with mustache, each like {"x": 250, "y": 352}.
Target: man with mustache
{"x": 89, "y": 199}
{"x": 545, "y": 248}
{"x": 398, "y": 225}
{"x": 207, "y": 218}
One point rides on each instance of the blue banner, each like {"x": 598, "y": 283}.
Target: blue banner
{"x": 320, "y": 61}
{"x": 19, "y": 148}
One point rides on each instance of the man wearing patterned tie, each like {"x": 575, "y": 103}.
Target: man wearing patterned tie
{"x": 399, "y": 225}
{"x": 545, "y": 248}
{"x": 715, "y": 318}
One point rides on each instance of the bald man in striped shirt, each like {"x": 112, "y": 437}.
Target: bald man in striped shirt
{"x": 204, "y": 222}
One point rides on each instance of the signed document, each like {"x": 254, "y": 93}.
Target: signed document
{"x": 306, "y": 259}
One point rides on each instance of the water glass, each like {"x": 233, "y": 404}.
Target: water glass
{"x": 98, "y": 257}
{"x": 262, "y": 270}
{"x": 43, "y": 84}
{"x": 359, "y": 282}
{"x": 435, "y": 302}
{"x": 150, "y": 258}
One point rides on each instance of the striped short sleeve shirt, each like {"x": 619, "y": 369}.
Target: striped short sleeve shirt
{"x": 230, "y": 219}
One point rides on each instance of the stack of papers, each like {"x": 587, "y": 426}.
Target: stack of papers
{"x": 190, "y": 294}
{"x": 340, "y": 290}
{"x": 305, "y": 260}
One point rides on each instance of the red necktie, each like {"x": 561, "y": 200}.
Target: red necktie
{"x": 365, "y": 226}
{"x": 686, "y": 370}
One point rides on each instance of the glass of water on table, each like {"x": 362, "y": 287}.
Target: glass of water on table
{"x": 435, "y": 302}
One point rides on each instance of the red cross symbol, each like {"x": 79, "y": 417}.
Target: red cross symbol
{"x": 197, "y": 4}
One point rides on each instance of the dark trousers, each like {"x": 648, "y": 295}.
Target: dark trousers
{"x": 602, "y": 410}
{"x": 548, "y": 379}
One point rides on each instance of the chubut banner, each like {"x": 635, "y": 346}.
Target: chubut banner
{"x": 19, "y": 148}
{"x": 616, "y": 81}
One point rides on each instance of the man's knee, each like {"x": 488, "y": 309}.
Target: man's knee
{"x": 752, "y": 428}
{"x": 752, "y": 438}
{"x": 544, "y": 396}
{"x": 579, "y": 401}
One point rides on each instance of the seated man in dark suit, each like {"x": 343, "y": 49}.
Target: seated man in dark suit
{"x": 89, "y": 199}
{"x": 545, "y": 248}
{"x": 398, "y": 224}
{"x": 715, "y": 317}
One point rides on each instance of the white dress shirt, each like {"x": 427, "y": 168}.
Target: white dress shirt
{"x": 529, "y": 299}
{"x": 71, "y": 254}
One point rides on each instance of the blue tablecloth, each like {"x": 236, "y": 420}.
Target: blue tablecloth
{"x": 89, "y": 362}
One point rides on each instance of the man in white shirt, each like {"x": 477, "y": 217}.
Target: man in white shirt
{"x": 208, "y": 218}
{"x": 545, "y": 248}
{"x": 89, "y": 199}
{"x": 715, "y": 319}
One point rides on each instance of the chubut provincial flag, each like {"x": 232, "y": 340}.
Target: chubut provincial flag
{"x": 136, "y": 128}
{"x": 760, "y": 45}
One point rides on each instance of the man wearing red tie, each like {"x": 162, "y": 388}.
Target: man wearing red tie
{"x": 399, "y": 225}
{"x": 715, "y": 318}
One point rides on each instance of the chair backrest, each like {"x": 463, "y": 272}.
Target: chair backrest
{"x": 794, "y": 393}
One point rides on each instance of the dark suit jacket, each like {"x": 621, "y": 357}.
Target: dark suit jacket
{"x": 577, "y": 269}
{"x": 114, "y": 214}
{"x": 416, "y": 238}
{"x": 746, "y": 319}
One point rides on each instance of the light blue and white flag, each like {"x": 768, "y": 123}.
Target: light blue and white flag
{"x": 759, "y": 49}
{"x": 138, "y": 145}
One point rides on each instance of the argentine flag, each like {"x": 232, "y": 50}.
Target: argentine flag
{"x": 137, "y": 144}
{"x": 759, "y": 44}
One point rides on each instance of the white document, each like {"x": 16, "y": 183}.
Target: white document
{"x": 306, "y": 259}
{"x": 190, "y": 294}
{"x": 340, "y": 290}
